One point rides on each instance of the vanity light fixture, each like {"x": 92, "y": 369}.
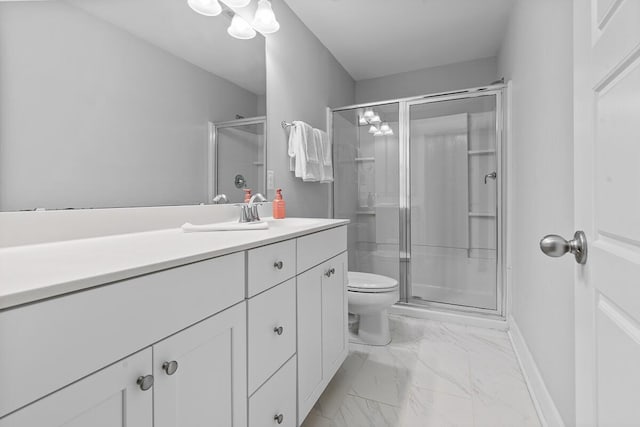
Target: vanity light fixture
{"x": 373, "y": 129}
{"x": 240, "y": 28}
{"x": 362, "y": 121}
{"x": 265, "y": 20}
{"x": 205, "y": 7}
{"x": 237, "y": 3}
{"x": 375, "y": 119}
{"x": 387, "y": 132}
{"x": 384, "y": 127}
{"x": 378, "y": 133}
{"x": 368, "y": 114}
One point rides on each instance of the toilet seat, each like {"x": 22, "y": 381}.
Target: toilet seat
{"x": 370, "y": 283}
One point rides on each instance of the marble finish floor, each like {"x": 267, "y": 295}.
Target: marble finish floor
{"x": 432, "y": 374}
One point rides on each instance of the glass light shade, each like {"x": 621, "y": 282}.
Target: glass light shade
{"x": 375, "y": 119}
{"x": 388, "y": 132}
{"x": 237, "y": 3}
{"x": 240, "y": 29}
{"x": 205, "y": 7}
{"x": 373, "y": 129}
{"x": 385, "y": 127}
{"x": 378, "y": 133}
{"x": 362, "y": 121}
{"x": 368, "y": 113}
{"x": 264, "y": 19}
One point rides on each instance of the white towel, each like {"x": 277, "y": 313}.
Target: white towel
{"x": 303, "y": 152}
{"x": 226, "y": 226}
{"x": 324, "y": 146}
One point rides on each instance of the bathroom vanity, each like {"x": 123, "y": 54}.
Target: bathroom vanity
{"x": 166, "y": 328}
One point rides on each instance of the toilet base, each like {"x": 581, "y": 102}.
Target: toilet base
{"x": 373, "y": 329}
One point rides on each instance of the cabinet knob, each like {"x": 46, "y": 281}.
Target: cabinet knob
{"x": 278, "y": 265}
{"x": 145, "y": 382}
{"x": 170, "y": 367}
{"x": 278, "y": 418}
{"x": 330, "y": 271}
{"x": 278, "y": 330}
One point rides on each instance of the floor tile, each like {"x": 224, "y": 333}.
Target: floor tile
{"x": 428, "y": 408}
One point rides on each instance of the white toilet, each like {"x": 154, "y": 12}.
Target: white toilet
{"x": 369, "y": 297}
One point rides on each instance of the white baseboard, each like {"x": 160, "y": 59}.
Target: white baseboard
{"x": 445, "y": 316}
{"x": 547, "y": 411}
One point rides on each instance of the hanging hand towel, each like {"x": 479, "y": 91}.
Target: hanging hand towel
{"x": 303, "y": 152}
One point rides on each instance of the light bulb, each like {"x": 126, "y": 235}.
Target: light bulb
{"x": 240, "y": 29}
{"x": 205, "y": 7}
{"x": 375, "y": 119}
{"x": 384, "y": 127}
{"x": 237, "y": 3}
{"x": 264, "y": 19}
{"x": 362, "y": 121}
{"x": 373, "y": 129}
{"x": 368, "y": 113}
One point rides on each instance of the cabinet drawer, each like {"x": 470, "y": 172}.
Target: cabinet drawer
{"x": 277, "y": 397}
{"x": 319, "y": 247}
{"x": 50, "y": 344}
{"x": 270, "y": 265}
{"x": 272, "y": 331}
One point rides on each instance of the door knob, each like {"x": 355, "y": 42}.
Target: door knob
{"x": 556, "y": 246}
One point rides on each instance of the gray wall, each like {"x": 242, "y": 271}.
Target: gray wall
{"x": 303, "y": 78}
{"x": 537, "y": 56}
{"x": 91, "y": 116}
{"x": 460, "y": 75}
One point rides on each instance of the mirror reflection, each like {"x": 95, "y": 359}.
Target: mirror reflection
{"x": 110, "y": 103}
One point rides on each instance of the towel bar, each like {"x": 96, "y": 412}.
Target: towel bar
{"x": 285, "y": 124}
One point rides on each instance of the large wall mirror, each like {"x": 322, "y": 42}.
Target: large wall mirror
{"x": 112, "y": 103}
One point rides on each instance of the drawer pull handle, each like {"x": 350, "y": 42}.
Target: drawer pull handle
{"x": 330, "y": 272}
{"x": 170, "y": 367}
{"x": 278, "y": 418}
{"x": 278, "y": 265}
{"x": 278, "y": 330}
{"x": 145, "y": 382}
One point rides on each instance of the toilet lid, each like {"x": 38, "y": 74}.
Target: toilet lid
{"x": 367, "y": 282}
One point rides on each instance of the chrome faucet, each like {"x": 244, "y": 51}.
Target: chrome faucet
{"x": 220, "y": 199}
{"x": 249, "y": 211}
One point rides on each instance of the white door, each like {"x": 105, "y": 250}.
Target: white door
{"x": 110, "y": 397}
{"x": 607, "y": 201}
{"x": 201, "y": 373}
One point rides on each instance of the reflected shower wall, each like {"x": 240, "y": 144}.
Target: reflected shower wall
{"x": 367, "y": 187}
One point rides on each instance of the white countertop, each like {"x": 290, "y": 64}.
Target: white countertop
{"x": 34, "y": 272}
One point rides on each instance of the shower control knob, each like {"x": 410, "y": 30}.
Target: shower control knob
{"x": 556, "y": 246}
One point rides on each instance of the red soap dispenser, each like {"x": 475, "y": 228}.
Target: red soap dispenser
{"x": 278, "y": 205}
{"x": 247, "y": 195}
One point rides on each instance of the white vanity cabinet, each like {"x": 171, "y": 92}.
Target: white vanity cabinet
{"x": 247, "y": 338}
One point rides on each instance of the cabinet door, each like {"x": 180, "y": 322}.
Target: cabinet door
{"x": 209, "y": 384}
{"x": 309, "y": 339}
{"x": 335, "y": 340}
{"x": 108, "y": 398}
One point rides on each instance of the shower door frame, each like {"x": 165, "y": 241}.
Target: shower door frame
{"x": 404, "y": 105}
{"x": 405, "y": 199}
{"x": 212, "y": 172}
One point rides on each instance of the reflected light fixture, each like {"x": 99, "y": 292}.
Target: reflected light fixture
{"x": 373, "y": 129}
{"x": 362, "y": 121}
{"x": 378, "y": 133}
{"x": 240, "y": 28}
{"x": 368, "y": 114}
{"x": 264, "y": 19}
{"x": 205, "y": 7}
{"x": 388, "y": 132}
{"x": 237, "y": 3}
{"x": 375, "y": 119}
{"x": 385, "y": 127}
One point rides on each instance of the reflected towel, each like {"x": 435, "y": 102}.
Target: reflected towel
{"x": 324, "y": 144}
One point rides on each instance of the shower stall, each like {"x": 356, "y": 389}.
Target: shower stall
{"x": 420, "y": 179}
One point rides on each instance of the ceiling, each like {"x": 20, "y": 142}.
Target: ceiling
{"x": 201, "y": 40}
{"x": 374, "y": 38}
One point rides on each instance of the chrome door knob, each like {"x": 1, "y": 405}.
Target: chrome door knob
{"x": 278, "y": 265}
{"x": 145, "y": 382}
{"x": 556, "y": 246}
{"x": 278, "y": 330}
{"x": 170, "y": 367}
{"x": 278, "y": 418}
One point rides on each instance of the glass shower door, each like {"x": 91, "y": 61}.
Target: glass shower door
{"x": 452, "y": 202}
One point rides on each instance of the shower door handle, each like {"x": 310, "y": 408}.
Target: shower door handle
{"x": 492, "y": 175}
